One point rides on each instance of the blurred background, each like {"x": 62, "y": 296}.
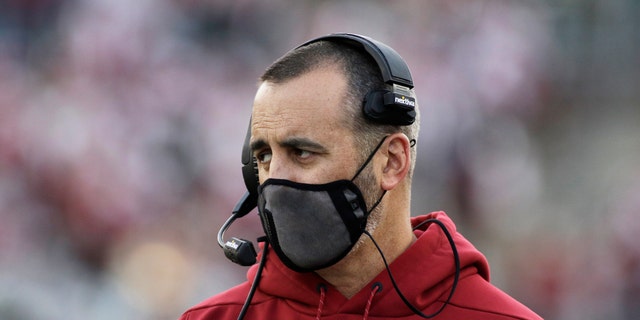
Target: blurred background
{"x": 121, "y": 124}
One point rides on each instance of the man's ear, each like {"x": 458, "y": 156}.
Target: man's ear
{"x": 397, "y": 161}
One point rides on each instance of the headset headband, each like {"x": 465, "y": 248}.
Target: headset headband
{"x": 392, "y": 67}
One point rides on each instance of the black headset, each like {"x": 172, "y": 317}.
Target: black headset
{"x": 391, "y": 107}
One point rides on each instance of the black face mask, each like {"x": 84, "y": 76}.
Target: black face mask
{"x": 313, "y": 226}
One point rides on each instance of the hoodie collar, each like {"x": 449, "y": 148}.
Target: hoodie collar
{"x": 428, "y": 262}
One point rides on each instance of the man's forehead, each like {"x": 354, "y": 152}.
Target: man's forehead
{"x": 305, "y": 106}
{"x": 322, "y": 88}
{"x": 289, "y": 129}
{"x": 297, "y": 129}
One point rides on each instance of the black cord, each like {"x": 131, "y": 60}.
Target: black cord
{"x": 256, "y": 281}
{"x": 456, "y": 259}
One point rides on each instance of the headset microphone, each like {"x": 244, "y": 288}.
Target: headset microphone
{"x": 238, "y": 250}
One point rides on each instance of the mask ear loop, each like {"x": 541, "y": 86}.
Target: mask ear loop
{"x": 412, "y": 143}
{"x": 364, "y": 165}
{"x": 373, "y": 153}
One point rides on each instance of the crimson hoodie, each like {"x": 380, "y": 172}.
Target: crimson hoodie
{"x": 424, "y": 273}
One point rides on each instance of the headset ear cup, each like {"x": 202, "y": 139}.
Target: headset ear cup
{"x": 250, "y": 175}
{"x": 255, "y": 173}
{"x": 380, "y": 106}
{"x": 249, "y": 165}
{"x": 373, "y": 106}
{"x": 391, "y": 107}
{"x": 255, "y": 176}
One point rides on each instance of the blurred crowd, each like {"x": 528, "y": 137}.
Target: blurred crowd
{"x": 121, "y": 124}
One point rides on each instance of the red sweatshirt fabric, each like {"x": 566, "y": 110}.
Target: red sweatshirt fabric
{"x": 424, "y": 274}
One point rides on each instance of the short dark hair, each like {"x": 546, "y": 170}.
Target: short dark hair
{"x": 362, "y": 75}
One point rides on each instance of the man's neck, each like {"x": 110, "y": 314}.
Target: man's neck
{"x": 364, "y": 263}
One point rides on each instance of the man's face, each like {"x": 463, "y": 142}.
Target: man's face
{"x": 299, "y": 132}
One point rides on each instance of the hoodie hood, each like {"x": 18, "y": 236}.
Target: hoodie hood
{"x": 424, "y": 273}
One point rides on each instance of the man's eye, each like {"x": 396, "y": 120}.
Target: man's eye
{"x": 264, "y": 157}
{"x": 303, "y": 154}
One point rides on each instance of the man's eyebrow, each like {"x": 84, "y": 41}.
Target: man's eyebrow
{"x": 257, "y": 144}
{"x": 293, "y": 142}
{"x": 303, "y": 143}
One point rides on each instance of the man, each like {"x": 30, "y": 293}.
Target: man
{"x": 334, "y": 200}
